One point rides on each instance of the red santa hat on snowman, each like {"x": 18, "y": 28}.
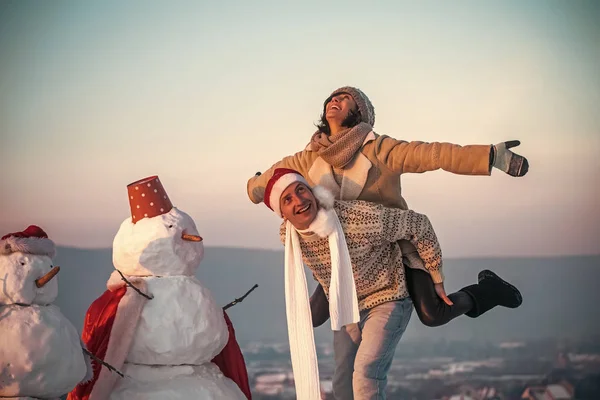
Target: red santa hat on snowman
{"x": 32, "y": 240}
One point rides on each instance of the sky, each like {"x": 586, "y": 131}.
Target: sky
{"x": 95, "y": 95}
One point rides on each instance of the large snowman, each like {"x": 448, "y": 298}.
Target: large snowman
{"x": 157, "y": 323}
{"x": 40, "y": 352}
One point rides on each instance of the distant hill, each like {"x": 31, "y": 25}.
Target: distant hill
{"x": 560, "y": 295}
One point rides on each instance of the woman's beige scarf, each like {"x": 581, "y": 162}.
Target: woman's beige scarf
{"x": 339, "y": 149}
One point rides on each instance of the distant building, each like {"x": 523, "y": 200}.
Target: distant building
{"x": 271, "y": 384}
{"x": 562, "y": 361}
{"x": 461, "y": 397}
{"x": 484, "y": 393}
{"x": 556, "y": 391}
{"x": 511, "y": 345}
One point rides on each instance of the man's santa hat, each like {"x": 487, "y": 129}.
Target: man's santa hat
{"x": 343, "y": 301}
{"x": 32, "y": 240}
{"x": 284, "y": 177}
{"x": 111, "y": 319}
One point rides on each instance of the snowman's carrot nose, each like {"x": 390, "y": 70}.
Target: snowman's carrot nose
{"x": 191, "y": 238}
{"x": 46, "y": 278}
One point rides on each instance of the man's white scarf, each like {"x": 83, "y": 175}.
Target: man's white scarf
{"x": 343, "y": 301}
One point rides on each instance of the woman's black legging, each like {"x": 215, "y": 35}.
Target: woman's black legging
{"x": 432, "y": 310}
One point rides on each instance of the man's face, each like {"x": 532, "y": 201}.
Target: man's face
{"x": 339, "y": 107}
{"x": 298, "y": 205}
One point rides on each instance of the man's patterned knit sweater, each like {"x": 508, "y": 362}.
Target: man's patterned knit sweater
{"x": 372, "y": 233}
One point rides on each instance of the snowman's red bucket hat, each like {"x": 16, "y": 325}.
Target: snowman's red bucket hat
{"x": 148, "y": 198}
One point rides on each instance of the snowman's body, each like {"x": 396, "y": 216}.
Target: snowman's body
{"x": 181, "y": 325}
{"x": 176, "y": 383}
{"x": 40, "y": 350}
{"x": 181, "y": 329}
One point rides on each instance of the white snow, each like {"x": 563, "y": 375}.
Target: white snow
{"x": 40, "y": 352}
{"x": 204, "y": 382}
{"x": 18, "y": 272}
{"x": 182, "y": 324}
{"x": 153, "y": 246}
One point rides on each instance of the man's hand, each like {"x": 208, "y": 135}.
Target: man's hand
{"x": 507, "y": 161}
{"x": 441, "y": 292}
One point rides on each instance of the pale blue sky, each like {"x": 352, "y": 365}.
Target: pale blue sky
{"x": 94, "y": 95}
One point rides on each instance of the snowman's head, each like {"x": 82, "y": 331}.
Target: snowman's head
{"x": 25, "y": 257}
{"x": 163, "y": 245}
{"x": 18, "y": 275}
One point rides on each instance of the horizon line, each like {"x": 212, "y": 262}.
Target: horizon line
{"x": 475, "y": 257}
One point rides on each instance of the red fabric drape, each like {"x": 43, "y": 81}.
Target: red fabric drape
{"x": 231, "y": 361}
{"x": 97, "y": 326}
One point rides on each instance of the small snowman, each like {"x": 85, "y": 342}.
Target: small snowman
{"x": 41, "y": 355}
{"x": 156, "y": 322}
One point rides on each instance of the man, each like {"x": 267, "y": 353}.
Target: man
{"x": 347, "y": 157}
{"x": 352, "y": 248}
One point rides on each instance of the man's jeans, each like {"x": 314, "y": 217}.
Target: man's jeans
{"x": 363, "y": 352}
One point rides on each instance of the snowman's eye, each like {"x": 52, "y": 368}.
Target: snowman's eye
{"x": 170, "y": 226}
{"x": 22, "y": 263}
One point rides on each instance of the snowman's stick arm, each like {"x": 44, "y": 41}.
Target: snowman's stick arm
{"x": 133, "y": 287}
{"x": 107, "y": 365}
{"x": 239, "y": 300}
